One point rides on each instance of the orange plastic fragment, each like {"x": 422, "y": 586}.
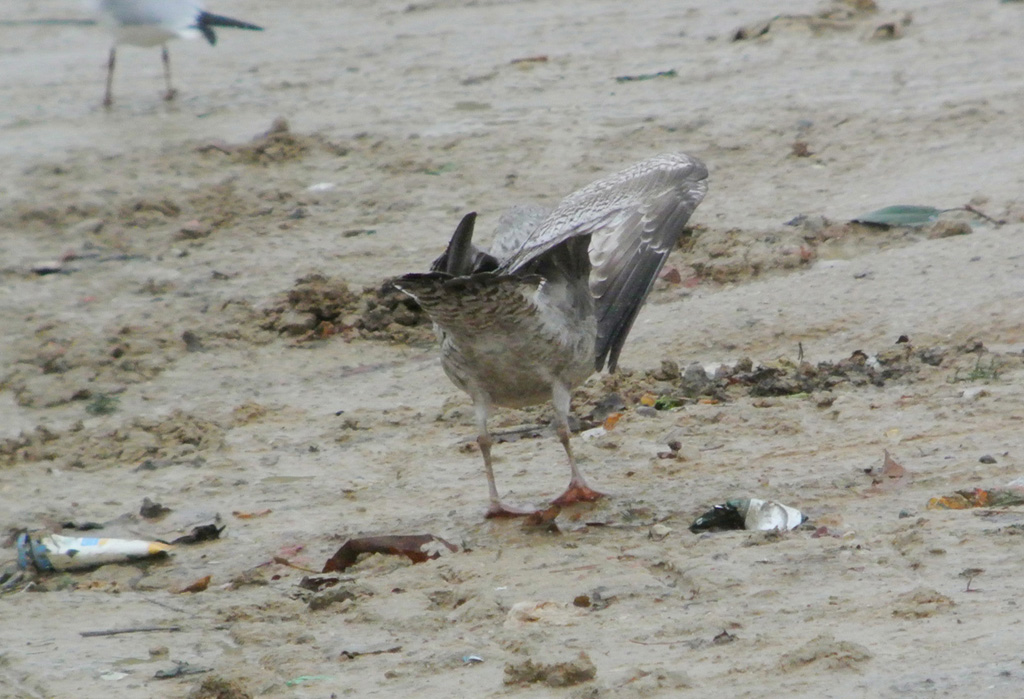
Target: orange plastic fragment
{"x": 251, "y": 515}
{"x": 949, "y": 502}
{"x": 611, "y": 420}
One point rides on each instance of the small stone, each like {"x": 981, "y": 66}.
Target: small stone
{"x": 669, "y": 371}
{"x": 152, "y": 510}
{"x": 329, "y": 597}
{"x": 193, "y": 230}
{"x": 658, "y": 532}
{"x": 87, "y": 227}
{"x": 801, "y": 149}
{"x": 47, "y": 267}
{"x": 192, "y": 341}
{"x": 695, "y": 379}
{"x": 987, "y": 459}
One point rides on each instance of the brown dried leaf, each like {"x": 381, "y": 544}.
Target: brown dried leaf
{"x": 197, "y": 586}
{"x": 416, "y": 547}
{"x": 891, "y": 468}
{"x": 543, "y": 520}
{"x": 891, "y": 476}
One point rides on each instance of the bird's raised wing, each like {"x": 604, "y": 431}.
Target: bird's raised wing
{"x": 634, "y": 218}
{"x": 516, "y": 226}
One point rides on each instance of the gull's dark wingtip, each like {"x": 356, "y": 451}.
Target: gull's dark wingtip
{"x": 206, "y": 21}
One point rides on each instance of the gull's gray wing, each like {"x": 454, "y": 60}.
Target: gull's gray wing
{"x": 635, "y": 218}
{"x": 514, "y": 227}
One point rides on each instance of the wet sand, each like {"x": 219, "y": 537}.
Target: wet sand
{"x": 191, "y": 313}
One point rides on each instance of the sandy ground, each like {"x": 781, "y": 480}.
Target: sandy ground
{"x": 180, "y": 348}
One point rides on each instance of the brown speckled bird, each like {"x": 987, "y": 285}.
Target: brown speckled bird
{"x": 554, "y": 299}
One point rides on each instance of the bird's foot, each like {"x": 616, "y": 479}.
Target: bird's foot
{"x": 577, "y": 492}
{"x": 170, "y": 95}
{"x": 499, "y": 510}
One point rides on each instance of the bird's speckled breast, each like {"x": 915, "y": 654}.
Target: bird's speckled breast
{"x": 515, "y": 364}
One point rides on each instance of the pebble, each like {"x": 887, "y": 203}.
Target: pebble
{"x": 47, "y": 267}
{"x": 194, "y": 230}
{"x": 658, "y": 532}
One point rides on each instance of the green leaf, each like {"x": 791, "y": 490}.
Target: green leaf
{"x": 900, "y": 215}
{"x": 667, "y": 403}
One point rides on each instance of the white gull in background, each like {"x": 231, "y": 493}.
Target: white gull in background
{"x": 153, "y": 23}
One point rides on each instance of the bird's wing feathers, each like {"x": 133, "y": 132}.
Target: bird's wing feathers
{"x": 634, "y": 218}
{"x": 514, "y": 227}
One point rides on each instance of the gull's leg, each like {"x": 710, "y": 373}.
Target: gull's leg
{"x": 578, "y": 490}
{"x": 171, "y": 92}
{"x": 496, "y": 508}
{"x": 108, "y": 98}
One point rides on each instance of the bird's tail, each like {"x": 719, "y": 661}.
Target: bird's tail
{"x": 461, "y": 257}
{"x": 465, "y": 306}
{"x": 206, "y": 22}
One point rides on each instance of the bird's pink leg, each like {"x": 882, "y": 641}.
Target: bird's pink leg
{"x": 171, "y": 92}
{"x": 578, "y": 490}
{"x": 497, "y": 508}
{"x": 108, "y": 97}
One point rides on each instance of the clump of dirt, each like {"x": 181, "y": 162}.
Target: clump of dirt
{"x": 219, "y": 688}
{"x": 58, "y": 364}
{"x": 144, "y": 213}
{"x": 222, "y": 204}
{"x": 277, "y": 145}
{"x": 670, "y": 387}
{"x": 826, "y": 652}
{"x": 19, "y": 215}
{"x": 141, "y": 442}
{"x": 921, "y": 603}
{"x": 580, "y": 669}
{"x": 837, "y": 16}
{"x": 725, "y": 256}
{"x": 319, "y": 306}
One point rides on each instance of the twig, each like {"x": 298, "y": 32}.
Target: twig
{"x": 280, "y": 560}
{"x": 970, "y": 209}
{"x": 350, "y": 654}
{"x": 134, "y": 629}
{"x": 168, "y": 606}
